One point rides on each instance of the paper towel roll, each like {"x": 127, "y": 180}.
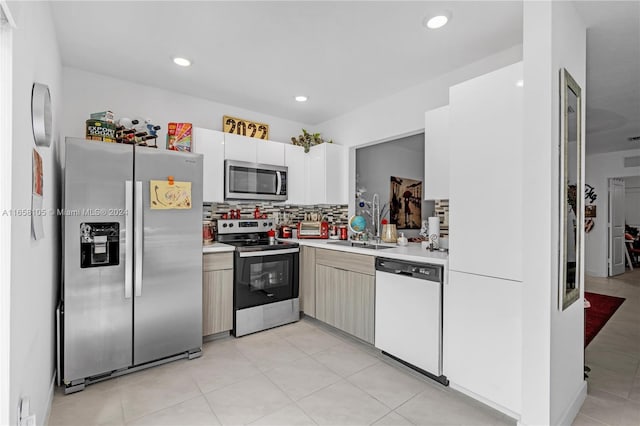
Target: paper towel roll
{"x": 434, "y": 231}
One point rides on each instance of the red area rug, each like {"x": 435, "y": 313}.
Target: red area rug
{"x": 602, "y": 308}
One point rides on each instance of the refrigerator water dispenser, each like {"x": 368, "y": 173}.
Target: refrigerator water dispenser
{"x": 99, "y": 244}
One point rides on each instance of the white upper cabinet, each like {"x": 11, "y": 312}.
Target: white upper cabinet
{"x": 296, "y": 162}
{"x": 252, "y": 150}
{"x": 327, "y": 174}
{"x": 269, "y": 152}
{"x": 337, "y": 173}
{"x": 240, "y": 148}
{"x": 485, "y": 219}
{"x": 210, "y": 143}
{"x": 436, "y": 154}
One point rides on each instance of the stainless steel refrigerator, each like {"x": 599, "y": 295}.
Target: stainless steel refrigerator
{"x": 132, "y": 286}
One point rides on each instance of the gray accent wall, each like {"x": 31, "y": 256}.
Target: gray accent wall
{"x": 403, "y": 157}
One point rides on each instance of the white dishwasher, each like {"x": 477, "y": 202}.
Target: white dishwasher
{"x": 408, "y": 316}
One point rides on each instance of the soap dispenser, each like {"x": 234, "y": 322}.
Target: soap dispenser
{"x": 402, "y": 240}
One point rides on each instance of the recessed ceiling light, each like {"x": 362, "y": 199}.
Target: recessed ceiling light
{"x": 301, "y": 98}
{"x": 183, "y": 62}
{"x": 437, "y": 21}
{"x": 520, "y": 83}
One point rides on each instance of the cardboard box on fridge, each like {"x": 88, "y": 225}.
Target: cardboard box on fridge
{"x": 179, "y": 136}
{"x": 98, "y": 130}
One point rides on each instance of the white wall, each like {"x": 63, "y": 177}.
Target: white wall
{"x": 377, "y": 163}
{"x": 599, "y": 168}
{"x": 35, "y": 265}
{"x": 403, "y": 113}
{"x": 87, "y": 92}
{"x": 553, "y": 387}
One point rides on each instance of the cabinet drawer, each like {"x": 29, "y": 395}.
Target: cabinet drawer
{"x": 347, "y": 261}
{"x": 217, "y": 261}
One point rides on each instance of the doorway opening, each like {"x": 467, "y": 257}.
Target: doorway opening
{"x": 624, "y": 224}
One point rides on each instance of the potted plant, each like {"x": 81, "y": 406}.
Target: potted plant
{"x": 307, "y": 140}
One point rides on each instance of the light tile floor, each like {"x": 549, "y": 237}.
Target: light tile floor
{"x": 306, "y": 374}
{"x": 299, "y": 374}
{"x": 613, "y": 396}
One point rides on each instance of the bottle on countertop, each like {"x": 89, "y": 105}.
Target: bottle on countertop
{"x": 402, "y": 240}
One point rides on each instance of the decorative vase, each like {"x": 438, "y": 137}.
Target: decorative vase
{"x": 389, "y": 233}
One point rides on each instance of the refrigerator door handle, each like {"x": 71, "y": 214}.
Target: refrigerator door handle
{"x": 128, "y": 229}
{"x": 139, "y": 235}
{"x": 279, "y": 184}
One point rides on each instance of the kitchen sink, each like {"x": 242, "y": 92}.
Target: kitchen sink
{"x": 359, "y": 244}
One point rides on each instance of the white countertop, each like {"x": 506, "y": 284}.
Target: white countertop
{"x": 217, "y": 248}
{"x": 412, "y": 251}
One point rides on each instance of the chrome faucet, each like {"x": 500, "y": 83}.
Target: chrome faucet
{"x": 375, "y": 215}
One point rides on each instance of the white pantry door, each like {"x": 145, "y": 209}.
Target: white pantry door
{"x": 616, "y": 227}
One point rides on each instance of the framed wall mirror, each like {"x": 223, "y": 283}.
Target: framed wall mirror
{"x": 571, "y": 192}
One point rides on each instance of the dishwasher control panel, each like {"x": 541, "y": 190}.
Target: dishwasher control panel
{"x": 424, "y": 271}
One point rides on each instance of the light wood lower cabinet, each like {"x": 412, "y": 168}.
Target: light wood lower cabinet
{"x": 345, "y": 299}
{"x": 217, "y": 293}
{"x": 308, "y": 281}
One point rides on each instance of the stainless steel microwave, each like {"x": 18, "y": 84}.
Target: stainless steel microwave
{"x": 251, "y": 181}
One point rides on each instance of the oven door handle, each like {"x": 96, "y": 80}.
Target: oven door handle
{"x": 268, "y": 252}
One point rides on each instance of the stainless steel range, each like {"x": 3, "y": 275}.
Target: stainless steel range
{"x": 266, "y": 281}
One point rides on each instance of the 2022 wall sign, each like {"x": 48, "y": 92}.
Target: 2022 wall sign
{"x": 240, "y": 126}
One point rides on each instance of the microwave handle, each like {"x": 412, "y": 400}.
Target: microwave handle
{"x": 279, "y": 184}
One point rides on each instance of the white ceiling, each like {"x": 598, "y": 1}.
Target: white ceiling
{"x": 258, "y": 55}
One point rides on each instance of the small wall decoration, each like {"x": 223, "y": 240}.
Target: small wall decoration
{"x": 405, "y": 203}
{"x": 169, "y": 194}
{"x": 41, "y": 115}
{"x": 590, "y": 196}
{"x": 37, "y": 227}
{"x": 240, "y": 126}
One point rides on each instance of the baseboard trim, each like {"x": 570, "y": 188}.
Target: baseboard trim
{"x": 597, "y": 274}
{"x": 573, "y": 409}
{"x": 52, "y": 389}
{"x": 485, "y": 401}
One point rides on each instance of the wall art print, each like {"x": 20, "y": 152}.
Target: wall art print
{"x": 405, "y": 203}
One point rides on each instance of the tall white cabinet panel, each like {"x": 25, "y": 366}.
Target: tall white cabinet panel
{"x": 210, "y": 143}
{"x": 483, "y": 337}
{"x": 296, "y": 162}
{"x": 240, "y": 148}
{"x": 485, "y": 218}
{"x": 436, "y": 154}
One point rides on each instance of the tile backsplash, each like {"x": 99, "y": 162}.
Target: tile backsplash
{"x": 337, "y": 214}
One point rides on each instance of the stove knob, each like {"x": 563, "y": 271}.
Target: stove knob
{"x": 231, "y": 225}
{"x": 224, "y": 225}
{"x": 264, "y": 223}
{"x": 270, "y": 223}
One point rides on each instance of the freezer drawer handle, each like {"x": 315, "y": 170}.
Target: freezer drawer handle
{"x": 139, "y": 232}
{"x": 128, "y": 230}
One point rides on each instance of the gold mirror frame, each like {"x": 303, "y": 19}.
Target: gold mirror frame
{"x": 571, "y": 192}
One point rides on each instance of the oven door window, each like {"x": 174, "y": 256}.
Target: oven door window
{"x": 265, "y": 279}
